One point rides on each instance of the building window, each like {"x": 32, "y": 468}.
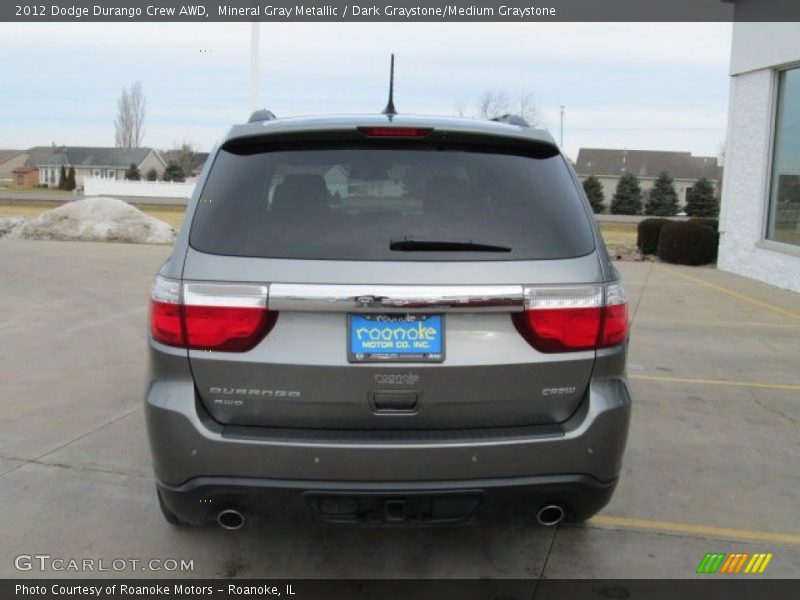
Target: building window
{"x": 111, "y": 174}
{"x": 783, "y": 224}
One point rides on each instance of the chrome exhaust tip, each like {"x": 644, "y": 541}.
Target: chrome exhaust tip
{"x": 550, "y": 514}
{"x": 230, "y": 519}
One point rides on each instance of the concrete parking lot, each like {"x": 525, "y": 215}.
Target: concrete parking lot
{"x": 712, "y": 463}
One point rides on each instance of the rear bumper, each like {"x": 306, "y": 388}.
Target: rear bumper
{"x": 574, "y": 463}
{"x": 201, "y": 499}
{"x": 187, "y": 444}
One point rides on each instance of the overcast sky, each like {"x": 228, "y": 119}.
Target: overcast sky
{"x": 658, "y": 86}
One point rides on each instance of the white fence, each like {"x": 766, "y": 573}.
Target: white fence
{"x": 97, "y": 186}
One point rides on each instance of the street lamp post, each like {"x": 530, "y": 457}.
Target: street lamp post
{"x": 254, "y": 66}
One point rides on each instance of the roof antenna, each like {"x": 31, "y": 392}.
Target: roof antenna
{"x": 390, "y": 109}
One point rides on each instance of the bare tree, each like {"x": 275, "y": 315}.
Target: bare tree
{"x": 527, "y": 109}
{"x": 185, "y": 156}
{"x": 493, "y": 103}
{"x": 129, "y": 124}
{"x": 496, "y": 103}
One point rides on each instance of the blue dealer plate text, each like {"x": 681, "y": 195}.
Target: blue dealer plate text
{"x": 393, "y": 337}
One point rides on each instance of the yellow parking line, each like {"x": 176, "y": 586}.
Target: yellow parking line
{"x": 725, "y": 324}
{"x": 754, "y": 384}
{"x": 693, "y": 530}
{"x": 737, "y": 295}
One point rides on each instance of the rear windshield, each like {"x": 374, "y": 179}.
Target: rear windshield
{"x": 390, "y": 203}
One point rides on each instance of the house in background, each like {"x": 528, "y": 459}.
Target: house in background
{"x": 24, "y": 178}
{"x": 107, "y": 163}
{"x": 609, "y": 165}
{"x": 760, "y": 211}
{"x": 10, "y": 160}
{"x": 198, "y": 160}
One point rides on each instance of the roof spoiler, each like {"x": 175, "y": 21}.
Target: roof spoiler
{"x": 512, "y": 120}
{"x": 262, "y": 115}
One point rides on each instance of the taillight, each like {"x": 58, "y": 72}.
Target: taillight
{"x": 570, "y": 319}
{"x": 615, "y": 316}
{"x": 210, "y": 316}
{"x": 166, "y": 318}
{"x": 406, "y": 132}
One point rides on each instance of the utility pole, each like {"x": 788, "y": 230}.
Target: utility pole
{"x": 254, "y": 66}
{"x": 561, "y": 142}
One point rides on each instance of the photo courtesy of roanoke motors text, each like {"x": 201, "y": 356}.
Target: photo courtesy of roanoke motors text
{"x": 408, "y": 300}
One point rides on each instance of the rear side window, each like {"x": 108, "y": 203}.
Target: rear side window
{"x": 390, "y": 203}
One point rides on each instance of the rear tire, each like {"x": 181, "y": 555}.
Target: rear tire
{"x": 170, "y": 516}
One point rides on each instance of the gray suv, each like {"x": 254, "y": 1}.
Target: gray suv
{"x": 387, "y": 319}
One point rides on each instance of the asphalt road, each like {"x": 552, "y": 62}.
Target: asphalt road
{"x": 711, "y": 466}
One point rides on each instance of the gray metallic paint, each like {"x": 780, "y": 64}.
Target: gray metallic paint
{"x": 188, "y": 444}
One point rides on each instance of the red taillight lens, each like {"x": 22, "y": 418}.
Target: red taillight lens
{"x": 166, "y": 314}
{"x": 615, "y": 316}
{"x": 563, "y": 329}
{"x": 407, "y": 132}
{"x": 225, "y": 328}
{"x": 219, "y": 317}
{"x": 615, "y": 326}
{"x": 165, "y": 323}
{"x": 571, "y": 319}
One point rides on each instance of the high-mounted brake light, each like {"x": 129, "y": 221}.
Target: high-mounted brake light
{"x": 395, "y": 132}
{"x": 570, "y": 319}
{"x": 209, "y": 316}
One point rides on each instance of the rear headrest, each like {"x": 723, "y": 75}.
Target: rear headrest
{"x": 298, "y": 194}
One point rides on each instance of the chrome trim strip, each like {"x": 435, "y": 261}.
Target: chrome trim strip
{"x": 395, "y": 298}
{"x": 225, "y": 294}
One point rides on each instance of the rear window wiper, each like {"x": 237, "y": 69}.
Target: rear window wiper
{"x": 409, "y": 245}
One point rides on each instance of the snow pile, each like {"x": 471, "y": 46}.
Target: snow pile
{"x": 97, "y": 219}
{"x": 9, "y": 223}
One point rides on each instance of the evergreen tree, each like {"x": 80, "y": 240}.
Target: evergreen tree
{"x": 173, "y": 172}
{"x": 62, "y": 178}
{"x": 627, "y": 198}
{"x": 133, "y": 173}
{"x": 71, "y": 185}
{"x": 662, "y": 201}
{"x": 594, "y": 191}
{"x": 701, "y": 202}
{"x": 152, "y": 175}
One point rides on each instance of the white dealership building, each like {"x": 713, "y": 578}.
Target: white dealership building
{"x": 760, "y": 211}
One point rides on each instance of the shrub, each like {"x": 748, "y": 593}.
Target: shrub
{"x": 700, "y": 200}
{"x": 627, "y": 199}
{"x": 706, "y": 222}
{"x": 662, "y": 201}
{"x": 686, "y": 243}
{"x": 62, "y": 178}
{"x": 132, "y": 174}
{"x": 173, "y": 172}
{"x": 152, "y": 175}
{"x": 594, "y": 192}
{"x": 71, "y": 179}
{"x": 647, "y": 234}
